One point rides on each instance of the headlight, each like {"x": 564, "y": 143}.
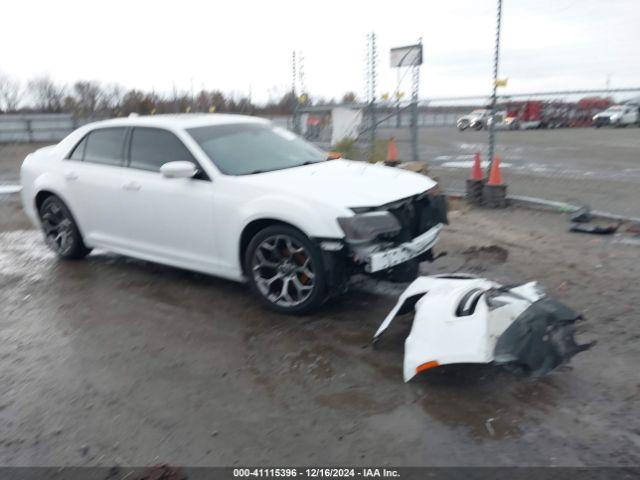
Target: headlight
{"x": 365, "y": 227}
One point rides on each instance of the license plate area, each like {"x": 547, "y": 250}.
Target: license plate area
{"x": 395, "y": 256}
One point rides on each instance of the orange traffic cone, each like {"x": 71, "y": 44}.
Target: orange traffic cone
{"x": 392, "y": 152}
{"x": 476, "y": 170}
{"x": 495, "y": 177}
{"x": 475, "y": 182}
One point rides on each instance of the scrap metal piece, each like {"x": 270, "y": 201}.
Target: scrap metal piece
{"x": 582, "y": 215}
{"x": 460, "y": 318}
{"x": 595, "y": 229}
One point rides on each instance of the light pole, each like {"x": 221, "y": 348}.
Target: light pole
{"x": 496, "y": 58}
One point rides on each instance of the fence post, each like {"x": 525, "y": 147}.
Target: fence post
{"x": 296, "y": 119}
{"x": 29, "y": 130}
{"x": 414, "y": 130}
{"x": 372, "y": 123}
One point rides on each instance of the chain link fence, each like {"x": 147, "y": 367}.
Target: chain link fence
{"x": 549, "y": 145}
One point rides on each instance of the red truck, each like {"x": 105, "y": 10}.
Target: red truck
{"x": 555, "y": 113}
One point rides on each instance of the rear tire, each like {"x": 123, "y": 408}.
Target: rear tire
{"x": 285, "y": 269}
{"x": 60, "y": 230}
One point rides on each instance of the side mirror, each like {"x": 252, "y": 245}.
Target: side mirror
{"x": 179, "y": 169}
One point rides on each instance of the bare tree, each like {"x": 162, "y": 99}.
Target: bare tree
{"x": 137, "y": 101}
{"x": 87, "y": 95}
{"x": 10, "y": 93}
{"x": 47, "y": 95}
{"x": 349, "y": 97}
{"x": 111, "y": 99}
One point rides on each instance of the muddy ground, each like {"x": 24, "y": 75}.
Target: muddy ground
{"x": 116, "y": 361}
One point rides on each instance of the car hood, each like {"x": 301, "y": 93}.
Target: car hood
{"x": 344, "y": 183}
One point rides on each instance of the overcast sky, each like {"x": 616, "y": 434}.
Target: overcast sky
{"x": 239, "y": 46}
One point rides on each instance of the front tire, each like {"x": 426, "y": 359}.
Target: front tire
{"x": 285, "y": 269}
{"x": 60, "y": 230}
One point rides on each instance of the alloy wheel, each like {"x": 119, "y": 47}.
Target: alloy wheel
{"x": 58, "y": 228}
{"x": 283, "y": 271}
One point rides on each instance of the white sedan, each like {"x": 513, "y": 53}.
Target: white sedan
{"x": 232, "y": 196}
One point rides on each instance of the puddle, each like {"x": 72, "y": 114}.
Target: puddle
{"x": 351, "y": 400}
{"x": 491, "y": 402}
{"x": 7, "y": 189}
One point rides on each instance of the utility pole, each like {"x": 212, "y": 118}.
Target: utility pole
{"x": 371, "y": 76}
{"x": 303, "y": 85}
{"x": 496, "y": 58}
{"x": 296, "y": 113}
{"x": 415, "y": 91}
{"x": 293, "y": 72}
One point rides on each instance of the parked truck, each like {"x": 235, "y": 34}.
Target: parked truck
{"x": 476, "y": 120}
{"x": 618, "y": 116}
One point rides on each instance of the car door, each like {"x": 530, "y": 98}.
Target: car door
{"x": 170, "y": 220}
{"x": 93, "y": 178}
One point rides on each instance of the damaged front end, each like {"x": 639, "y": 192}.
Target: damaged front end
{"x": 389, "y": 241}
{"x": 464, "y": 319}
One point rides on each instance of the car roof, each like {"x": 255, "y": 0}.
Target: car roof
{"x": 177, "y": 120}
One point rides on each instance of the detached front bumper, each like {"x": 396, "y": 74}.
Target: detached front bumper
{"x": 385, "y": 259}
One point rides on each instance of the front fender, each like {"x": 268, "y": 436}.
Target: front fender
{"x": 50, "y": 183}
{"x": 312, "y": 219}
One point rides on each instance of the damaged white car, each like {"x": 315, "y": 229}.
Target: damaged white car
{"x": 232, "y": 196}
{"x": 463, "y": 319}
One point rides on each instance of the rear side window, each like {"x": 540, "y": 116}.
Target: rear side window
{"x": 78, "y": 152}
{"x": 153, "y": 147}
{"x": 104, "y": 146}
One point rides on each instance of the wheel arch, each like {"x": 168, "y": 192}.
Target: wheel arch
{"x": 253, "y": 227}
{"x": 45, "y": 193}
{"x": 42, "y": 195}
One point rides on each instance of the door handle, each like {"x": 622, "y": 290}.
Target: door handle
{"x": 71, "y": 176}
{"x": 132, "y": 186}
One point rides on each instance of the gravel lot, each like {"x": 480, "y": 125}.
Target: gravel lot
{"x": 117, "y": 361}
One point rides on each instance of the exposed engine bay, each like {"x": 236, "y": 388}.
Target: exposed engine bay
{"x": 395, "y": 252}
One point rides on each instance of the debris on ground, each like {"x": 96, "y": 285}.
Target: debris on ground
{"x": 582, "y": 215}
{"x": 492, "y": 253}
{"x": 460, "y": 318}
{"x": 634, "y": 228}
{"x": 417, "y": 167}
{"x": 595, "y": 229}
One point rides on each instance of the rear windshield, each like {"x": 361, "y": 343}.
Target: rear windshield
{"x": 246, "y": 148}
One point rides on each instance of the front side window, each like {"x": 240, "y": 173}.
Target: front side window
{"x": 104, "y": 146}
{"x": 152, "y": 147}
{"x": 246, "y": 148}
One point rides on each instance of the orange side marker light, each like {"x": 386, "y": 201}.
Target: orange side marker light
{"x": 427, "y": 366}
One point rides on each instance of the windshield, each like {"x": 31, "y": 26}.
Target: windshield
{"x": 617, "y": 108}
{"x": 478, "y": 112}
{"x": 245, "y": 148}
